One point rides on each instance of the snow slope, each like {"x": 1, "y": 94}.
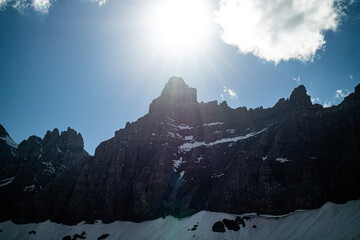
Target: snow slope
{"x": 332, "y": 221}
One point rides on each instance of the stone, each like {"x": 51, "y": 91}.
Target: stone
{"x": 218, "y": 227}
{"x": 231, "y": 224}
{"x": 104, "y": 236}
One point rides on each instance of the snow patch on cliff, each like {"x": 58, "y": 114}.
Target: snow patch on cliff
{"x": 282, "y": 160}
{"x": 188, "y": 146}
{"x": 6, "y": 181}
{"x": 177, "y": 163}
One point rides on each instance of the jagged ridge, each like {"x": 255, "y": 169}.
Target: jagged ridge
{"x": 185, "y": 156}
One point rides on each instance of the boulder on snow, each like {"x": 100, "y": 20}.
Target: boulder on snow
{"x": 218, "y": 227}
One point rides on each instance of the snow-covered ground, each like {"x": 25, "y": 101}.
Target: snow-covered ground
{"x": 332, "y": 221}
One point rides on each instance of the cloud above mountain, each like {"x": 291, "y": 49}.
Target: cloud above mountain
{"x": 229, "y": 92}
{"x": 42, "y": 6}
{"x": 278, "y": 30}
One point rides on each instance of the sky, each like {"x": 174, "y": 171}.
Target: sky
{"x": 94, "y": 65}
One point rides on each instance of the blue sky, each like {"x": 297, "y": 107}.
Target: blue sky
{"x": 94, "y": 65}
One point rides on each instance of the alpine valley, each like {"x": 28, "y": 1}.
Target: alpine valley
{"x": 190, "y": 162}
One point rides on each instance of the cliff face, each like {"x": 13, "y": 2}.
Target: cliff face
{"x": 34, "y": 166}
{"x": 185, "y": 156}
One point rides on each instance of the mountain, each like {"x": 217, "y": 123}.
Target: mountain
{"x": 184, "y": 157}
{"x": 35, "y": 167}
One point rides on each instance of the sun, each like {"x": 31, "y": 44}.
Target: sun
{"x": 180, "y": 25}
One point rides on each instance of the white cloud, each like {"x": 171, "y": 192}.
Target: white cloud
{"x": 341, "y": 93}
{"x": 20, "y": 5}
{"x": 3, "y": 3}
{"x": 277, "y": 30}
{"x": 99, "y": 2}
{"x": 230, "y": 92}
{"x": 42, "y": 6}
{"x": 327, "y": 104}
{"x": 297, "y": 80}
{"x": 315, "y": 100}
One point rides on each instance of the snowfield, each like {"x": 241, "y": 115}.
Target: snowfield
{"x": 332, "y": 221}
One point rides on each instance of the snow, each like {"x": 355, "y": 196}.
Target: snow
{"x": 230, "y": 130}
{"x": 198, "y": 160}
{"x": 6, "y": 181}
{"x": 182, "y": 174}
{"x": 59, "y": 150}
{"x": 183, "y": 126}
{"x": 188, "y": 138}
{"x": 153, "y": 134}
{"x": 282, "y": 160}
{"x": 177, "y": 163}
{"x": 49, "y": 168}
{"x": 170, "y": 134}
{"x": 213, "y": 124}
{"x": 330, "y": 222}
{"x": 29, "y": 188}
{"x": 217, "y": 175}
{"x": 264, "y": 158}
{"x": 171, "y": 120}
{"x": 9, "y": 141}
{"x": 188, "y": 146}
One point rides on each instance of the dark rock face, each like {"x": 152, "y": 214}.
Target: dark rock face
{"x": 177, "y": 92}
{"x": 300, "y": 98}
{"x": 7, "y": 155}
{"x": 33, "y": 166}
{"x": 185, "y": 156}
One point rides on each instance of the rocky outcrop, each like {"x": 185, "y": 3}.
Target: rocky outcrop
{"x": 299, "y": 97}
{"x": 184, "y": 156}
{"x": 35, "y": 164}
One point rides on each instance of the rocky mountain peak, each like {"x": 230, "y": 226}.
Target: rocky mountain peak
{"x": 51, "y": 139}
{"x": 31, "y": 147}
{"x": 177, "y": 91}
{"x": 71, "y": 140}
{"x": 3, "y": 132}
{"x": 299, "y": 97}
{"x": 177, "y": 101}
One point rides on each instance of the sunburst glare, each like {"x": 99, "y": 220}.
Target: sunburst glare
{"x": 179, "y": 25}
